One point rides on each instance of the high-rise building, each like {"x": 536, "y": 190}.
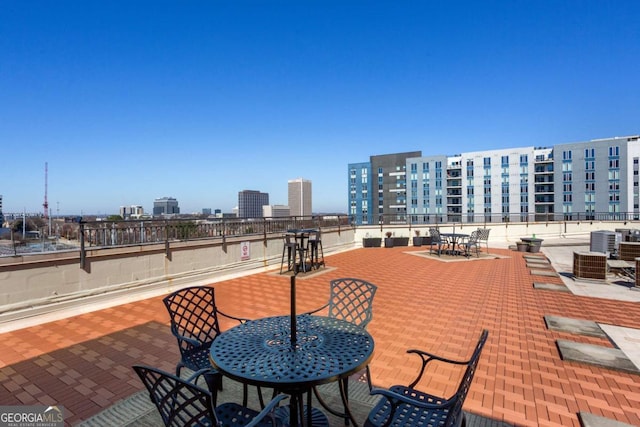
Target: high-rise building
{"x": 1, "y": 214}
{"x": 378, "y": 189}
{"x": 165, "y": 206}
{"x": 598, "y": 177}
{"x": 250, "y": 203}
{"x": 300, "y": 197}
{"x": 567, "y": 181}
{"x": 360, "y": 201}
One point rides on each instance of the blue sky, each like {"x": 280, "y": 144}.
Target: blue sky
{"x": 128, "y": 101}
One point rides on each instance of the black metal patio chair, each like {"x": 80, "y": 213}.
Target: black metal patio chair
{"x": 437, "y": 240}
{"x": 471, "y": 242}
{"x": 181, "y": 402}
{"x": 483, "y": 237}
{"x": 407, "y": 406}
{"x": 194, "y": 323}
{"x": 350, "y": 300}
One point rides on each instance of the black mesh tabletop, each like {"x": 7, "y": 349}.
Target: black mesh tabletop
{"x": 259, "y": 352}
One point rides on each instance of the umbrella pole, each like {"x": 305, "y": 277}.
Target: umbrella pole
{"x": 294, "y": 335}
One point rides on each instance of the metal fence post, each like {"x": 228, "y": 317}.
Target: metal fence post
{"x": 83, "y": 253}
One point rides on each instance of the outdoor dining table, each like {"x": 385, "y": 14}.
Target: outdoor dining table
{"x": 301, "y": 236}
{"x": 454, "y": 238}
{"x": 261, "y": 353}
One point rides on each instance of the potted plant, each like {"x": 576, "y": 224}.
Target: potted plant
{"x": 533, "y": 243}
{"x": 426, "y": 240}
{"x": 417, "y": 240}
{"x": 534, "y": 246}
{"x": 371, "y": 242}
{"x": 400, "y": 241}
{"x": 388, "y": 241}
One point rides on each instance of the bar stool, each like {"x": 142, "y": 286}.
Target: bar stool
{"x": 304, "y": 252}
{"x": 290, "y": 246}
{"x": 315, "y": 247}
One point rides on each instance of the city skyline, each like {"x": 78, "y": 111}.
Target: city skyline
{"x": 127, "y": 102}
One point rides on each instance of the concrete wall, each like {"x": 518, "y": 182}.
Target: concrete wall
{"x": 33, "y": 285}
{"x": 42, "y": 287}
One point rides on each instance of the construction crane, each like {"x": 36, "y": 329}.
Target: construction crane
{"x": 45, "y": 205}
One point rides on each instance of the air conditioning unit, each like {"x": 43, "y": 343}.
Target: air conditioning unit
{"x": 606, "y": 242}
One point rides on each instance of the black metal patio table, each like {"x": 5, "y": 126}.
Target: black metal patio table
{"x": 455, "y": 238}
{"x": 260, "y": 352}
{"x": 301, "y": 235}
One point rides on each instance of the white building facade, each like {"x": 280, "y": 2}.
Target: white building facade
{"x": 566, "y": 181}
{"x": 275, "y": 211}
{"x": 597, "y": 178}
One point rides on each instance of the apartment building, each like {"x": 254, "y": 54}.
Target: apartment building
{"x": 383, "y": 196}
{"x": 567, "y": 181}
{"x": 597, "y": 178}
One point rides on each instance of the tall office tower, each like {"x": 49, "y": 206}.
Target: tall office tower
{"x": 1, "y": 214}
{"x": 300, "y": 197}
{"x": 250, "y": 203}
{"x": 165, "y": 206}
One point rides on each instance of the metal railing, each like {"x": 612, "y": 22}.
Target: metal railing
{"x": 139, "y": 232}
{"x": 109, "y": 234}
{"x": 497, "y": 218}
{"x": 106, "y": 234}
{"x": 122, "y": 233}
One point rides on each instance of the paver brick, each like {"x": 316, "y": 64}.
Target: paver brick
{"x": 421, "y": 303}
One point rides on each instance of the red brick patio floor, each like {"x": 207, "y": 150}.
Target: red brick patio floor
{"x": 84, "y": 362}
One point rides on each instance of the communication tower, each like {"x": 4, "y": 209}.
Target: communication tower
{"x": 45, "y": 205}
